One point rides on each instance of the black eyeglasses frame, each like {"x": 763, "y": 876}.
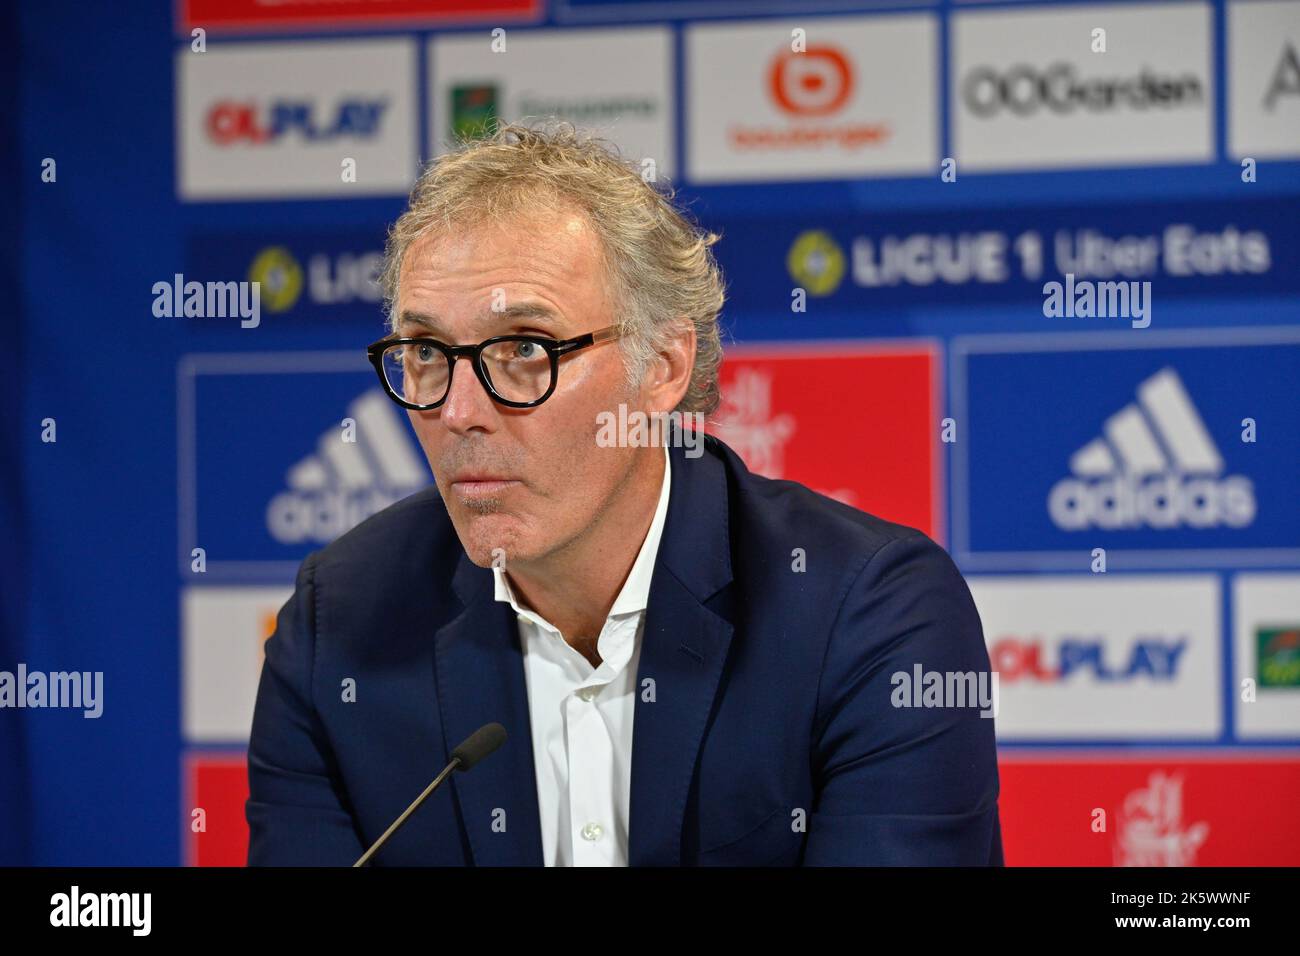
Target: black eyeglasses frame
{"x": 554, "y": 349}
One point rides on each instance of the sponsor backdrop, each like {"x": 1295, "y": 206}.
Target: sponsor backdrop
{"x": 1023, "y": 275}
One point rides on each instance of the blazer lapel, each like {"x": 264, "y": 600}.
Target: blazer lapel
{"x": 480, "y": 679}
{"x": 684, "y": 646}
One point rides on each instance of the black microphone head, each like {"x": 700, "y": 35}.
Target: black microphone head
{"x": 478, "y": 745}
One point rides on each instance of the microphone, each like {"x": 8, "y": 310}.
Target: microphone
{"x": 471, "y": 750}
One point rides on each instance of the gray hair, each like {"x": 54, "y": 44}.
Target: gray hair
{"x": 658, "y": 264}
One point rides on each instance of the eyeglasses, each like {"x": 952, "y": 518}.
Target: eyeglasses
{"x": 519, "y": 371}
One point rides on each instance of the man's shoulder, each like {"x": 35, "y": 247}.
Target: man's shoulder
{"x": 855, "y": 574}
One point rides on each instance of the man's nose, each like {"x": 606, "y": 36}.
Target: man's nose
{"x": 468, "y": 404}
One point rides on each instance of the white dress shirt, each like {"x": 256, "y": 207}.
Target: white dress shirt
{"x": 582, "y": 716}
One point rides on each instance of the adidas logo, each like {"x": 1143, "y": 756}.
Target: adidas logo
{"x": 345, "y": 482}
{"x": 1155, "y": 466}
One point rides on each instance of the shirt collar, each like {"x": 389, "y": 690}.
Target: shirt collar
{"x": 635, "y": 594}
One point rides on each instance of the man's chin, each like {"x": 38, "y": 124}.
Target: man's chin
{"x": 489, "y": 539}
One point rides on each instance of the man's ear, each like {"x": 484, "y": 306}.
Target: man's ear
{"x": 669, "y": 374}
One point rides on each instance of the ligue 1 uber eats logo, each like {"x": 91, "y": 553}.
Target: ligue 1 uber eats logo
{"x": 1154, "y": 466}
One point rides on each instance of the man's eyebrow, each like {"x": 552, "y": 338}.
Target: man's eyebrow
{"x": 518, "y": 310}
{"x": 418, "y": 318}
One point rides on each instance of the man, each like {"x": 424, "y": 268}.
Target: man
{"x": 694, "y": 665}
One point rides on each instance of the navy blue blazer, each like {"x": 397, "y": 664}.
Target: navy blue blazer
{"x": 769, "y": 739}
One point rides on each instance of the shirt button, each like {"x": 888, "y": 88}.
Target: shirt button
{"x": 592, "y": 831}
{"x": 589, "y": 693}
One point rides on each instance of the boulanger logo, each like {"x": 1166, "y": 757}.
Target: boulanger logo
{"x": 1025, "y": 90}
{"x": 280, "y": 276}
{"x": 1155, "y": 466}
{"x": 816, "y": 262}
{"x": 812, "y": 88}
{"x": 816, "y": 82}
{"x": 346, "y": 481}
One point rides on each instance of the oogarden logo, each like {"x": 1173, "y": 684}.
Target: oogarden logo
{"x": 1024, "y": 90}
